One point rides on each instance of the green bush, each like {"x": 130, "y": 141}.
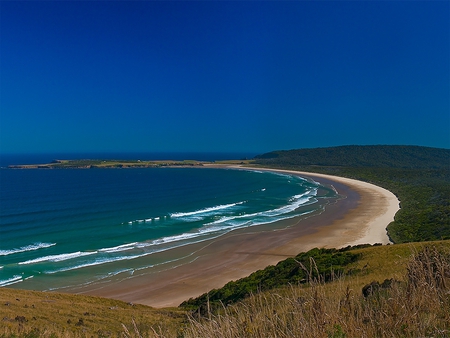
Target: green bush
{"x": 315, "y": 265}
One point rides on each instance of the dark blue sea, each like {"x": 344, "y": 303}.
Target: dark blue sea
{"x": 66, "y": 227}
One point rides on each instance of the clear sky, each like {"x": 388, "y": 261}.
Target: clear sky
{"x": 146, "y": 76}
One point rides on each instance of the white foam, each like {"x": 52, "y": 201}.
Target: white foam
{"x": 214, "y": 229}
{"x": 114, "y": 273}
{"x": 168, "y": 242}
{"x": 32, "y": 247}
{"x": 58, "y": 258}
{"x": 13, "y": 280}
{"x": 281, "y": 174}
{"x": 119, "y": 248}
{"x": 295, "y": 202}
{"x": 105, "y": 261}
{"x": 96, "y": 262}
{"x": 206, "y": 210}
{"x": 177, "y": 238}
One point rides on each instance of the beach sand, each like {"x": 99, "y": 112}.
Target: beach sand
{"x": 360, "y": 217}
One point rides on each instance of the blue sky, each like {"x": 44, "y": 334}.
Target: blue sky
{"x": 146, "y": 76}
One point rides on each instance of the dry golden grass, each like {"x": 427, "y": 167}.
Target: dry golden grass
{"x": 65, "y": 315}
{"x": 418, "y": 305}
{"x": 381, "y": 262}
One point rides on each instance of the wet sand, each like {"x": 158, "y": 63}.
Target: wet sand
{"x": 359, "y": 217}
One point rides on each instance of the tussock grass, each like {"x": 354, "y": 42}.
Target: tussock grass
{"x": 419, "y": 306}
{"x": 415, "y": 303}
{"x": 46, "y": 314}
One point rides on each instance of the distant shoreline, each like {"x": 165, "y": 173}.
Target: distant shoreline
{"x": 359, "y": 218}
{"x": 110, "y": 164}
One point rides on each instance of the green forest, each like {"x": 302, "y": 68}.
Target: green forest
{"x": 418, "y": 176}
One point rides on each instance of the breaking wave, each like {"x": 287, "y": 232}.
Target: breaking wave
{"x": 58, "y": 258}
{"x": 10, "y": 281}
{"x": 32, "y": 247}
{"x": 148, "y": 226}
{"x": 204, "y": 211}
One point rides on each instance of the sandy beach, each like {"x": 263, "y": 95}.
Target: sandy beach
{"x": 359, "y": 217}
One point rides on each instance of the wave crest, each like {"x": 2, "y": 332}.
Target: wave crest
{"x": 31, "y": 247}
{"x": 206, "y": 210}
{"x": 58, "y": 258}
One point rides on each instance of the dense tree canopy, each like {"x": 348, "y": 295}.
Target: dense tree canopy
{"x": 419, "y": 176}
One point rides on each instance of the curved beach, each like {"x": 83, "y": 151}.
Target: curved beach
{"x": 361, "y": 216}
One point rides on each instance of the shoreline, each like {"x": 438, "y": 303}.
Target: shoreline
{"x": 374, "y": 224}
{"x": 361, "y": 217}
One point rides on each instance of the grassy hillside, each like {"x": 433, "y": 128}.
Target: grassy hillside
{"x": 416, "y": 304}
{"x": 316, "y": 263}
{"x": 418, "y": 176}
{"x": 44, "y": 314}
{"x": 359, "y": 264}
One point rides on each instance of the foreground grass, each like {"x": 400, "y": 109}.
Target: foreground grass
{"x": 416, "y": 304}
{"x": 47, "y": 314}
{"x": 419, "y": 306}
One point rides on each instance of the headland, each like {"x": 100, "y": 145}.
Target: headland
{"x": 113, "y": 164}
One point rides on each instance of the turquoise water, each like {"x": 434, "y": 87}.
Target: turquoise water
{"x": 60, "y": 227}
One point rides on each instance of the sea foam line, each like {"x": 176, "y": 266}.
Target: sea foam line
{"x": 171, "y": 240}
{"x": 122, "y": 258}
{"x": 295, "y": 202}
{"x": 209, "y": 229}
{"x": 123, "y": 247}
{"x": 96, "y": 262}
{"x": 32, "y": 247}
{"x": 13, "y": 280}
{"x": 206, "y": 210}
{"x": 155, "y": 243}
{"x": 58, "y": 258}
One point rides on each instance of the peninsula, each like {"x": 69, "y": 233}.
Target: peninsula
{"x": 100, "y": 163}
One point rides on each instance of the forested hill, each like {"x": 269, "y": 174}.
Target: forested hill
{"x": 363, "y": 156}
{"x": 418, "y": 176}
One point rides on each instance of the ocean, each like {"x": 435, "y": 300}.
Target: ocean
{"x": 67, "y": 227}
